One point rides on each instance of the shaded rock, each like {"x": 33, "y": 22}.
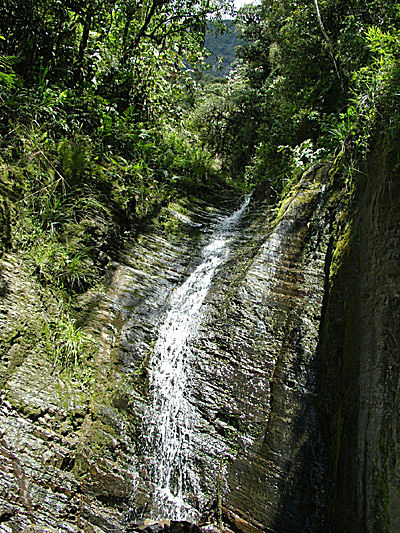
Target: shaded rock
{"x": 165, "y": 525}
{"x": 254, "y": 369}
{"x": 359, "y": 370}
{"x": 182, "y": 526}
{"x": 236, "y": 523}
{"x": 151, "y": 526}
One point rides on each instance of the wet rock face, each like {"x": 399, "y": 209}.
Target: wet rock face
{"x": 69, "y": 442}
{"x": 255, "y": 377}
{"x": 164, "y": 526}
{"x": 51, "y": 479}
{"x": 256, "y": 443}
{"x": 359, "y": 353}
{"x": 80, "y": 465}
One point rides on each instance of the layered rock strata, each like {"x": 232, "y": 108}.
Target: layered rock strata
{"x": 359, "y": 356}
{"x": 287, "y": 424}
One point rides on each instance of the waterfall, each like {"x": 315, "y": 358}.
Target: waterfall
{"x": 172, "y": 417}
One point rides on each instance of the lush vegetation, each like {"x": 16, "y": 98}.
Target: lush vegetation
{"x": 105, "y": 115}
{"x": 93, "y": 100}
{"x": 316, "y": 79}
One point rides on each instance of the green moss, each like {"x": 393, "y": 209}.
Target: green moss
{"x": 25, "y": 409}
{"x": 340, "y": 252}
{"x": 299, "y": 195}
{"x": 18, "y": 340}
{"x": 101, "y": 437}
{"x": 168, "y": 224}
{"x": 382, "y": 522}
{"x": 5, "y": 225}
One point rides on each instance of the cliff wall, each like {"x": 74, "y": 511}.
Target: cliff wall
{"x": 294, "y": 373}
{"x": 359, "y": 355}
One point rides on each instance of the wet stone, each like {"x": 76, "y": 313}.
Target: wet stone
{"x": 249, "y": 372}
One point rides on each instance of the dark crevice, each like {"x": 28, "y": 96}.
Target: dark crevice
{"x": 68, "y": 464}
{"x": 6, "y": 516}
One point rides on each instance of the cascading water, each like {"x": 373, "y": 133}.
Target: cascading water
{"x": 172, "y": 418}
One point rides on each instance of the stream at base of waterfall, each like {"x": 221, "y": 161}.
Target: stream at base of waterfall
{"x": 172, "y": 417}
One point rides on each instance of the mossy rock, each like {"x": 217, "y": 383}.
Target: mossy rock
{"x": 5, "y": 225}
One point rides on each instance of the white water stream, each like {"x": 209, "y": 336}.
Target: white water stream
{"x": 172, "y": 416}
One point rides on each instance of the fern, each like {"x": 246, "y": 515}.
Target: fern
{"x": 73, "y": 161}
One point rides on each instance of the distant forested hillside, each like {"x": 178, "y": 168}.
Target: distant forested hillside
{"x": 222, "y": 47}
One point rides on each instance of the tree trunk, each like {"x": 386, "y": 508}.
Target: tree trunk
{"x": 326, "y": 37}
{"x": 79, "y": 74}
